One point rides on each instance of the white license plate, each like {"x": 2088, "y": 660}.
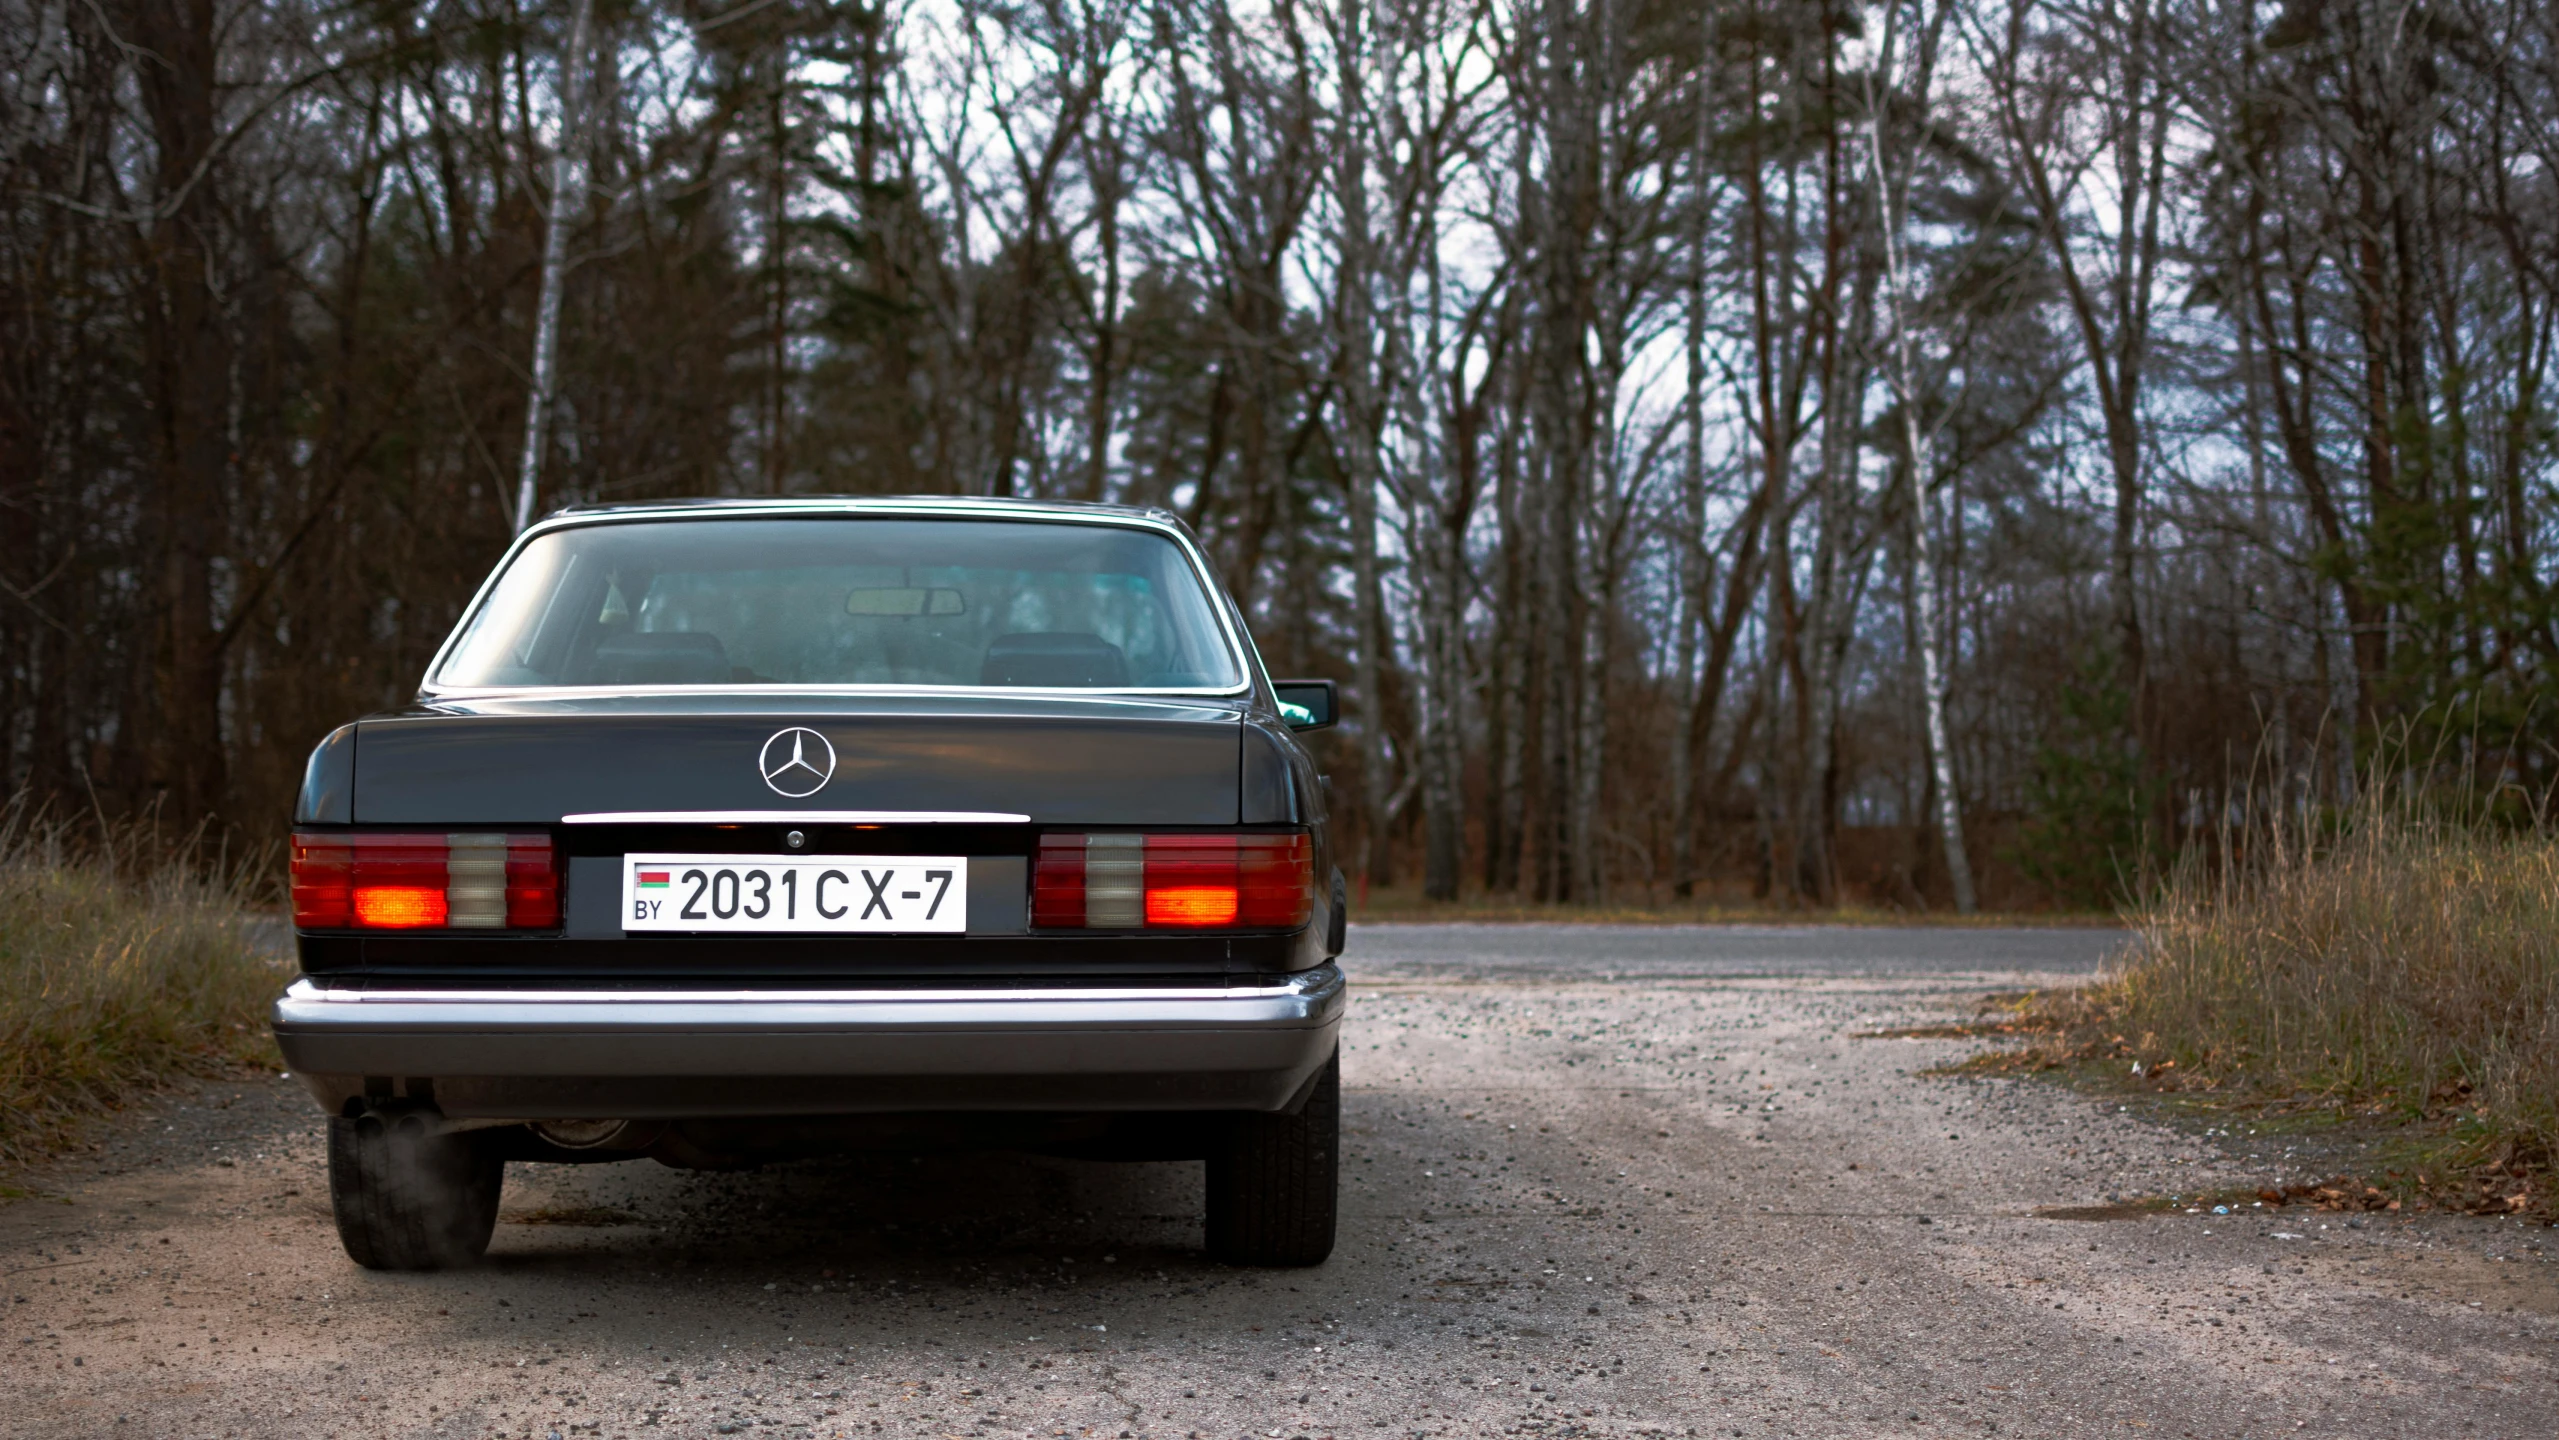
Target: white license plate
{"x": 773, "y": 894}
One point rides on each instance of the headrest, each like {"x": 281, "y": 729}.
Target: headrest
{"x": 1055, "y": 658}
{"x": 664, "y": 657}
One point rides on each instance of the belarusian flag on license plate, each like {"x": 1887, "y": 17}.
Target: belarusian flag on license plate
{"x": 737, "y": 893}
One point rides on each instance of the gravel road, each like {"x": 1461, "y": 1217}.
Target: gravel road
{"x": 1599, "y": 1181}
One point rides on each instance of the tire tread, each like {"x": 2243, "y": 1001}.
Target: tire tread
{"x": 1274, "y": 1183}
{"x": 406, "y": 1199}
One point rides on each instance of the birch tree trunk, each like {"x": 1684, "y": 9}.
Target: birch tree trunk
{"x": 568, "y": 198}
{"x": 1928, "y": 630}
{"x": 1932, "y": 674}
{"x": 1919, "y": 433}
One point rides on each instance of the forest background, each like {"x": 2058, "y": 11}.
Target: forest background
{"x": 1943, "y": 452}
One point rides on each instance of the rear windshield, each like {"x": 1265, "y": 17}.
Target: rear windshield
{"x": 849, "y": 601}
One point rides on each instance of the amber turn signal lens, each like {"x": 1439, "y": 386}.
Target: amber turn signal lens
{"x": 398, "y": 907}
{"x": 1192, "y": 905}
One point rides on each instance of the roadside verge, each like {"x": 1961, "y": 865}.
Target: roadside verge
{"x": 117, "y": 974}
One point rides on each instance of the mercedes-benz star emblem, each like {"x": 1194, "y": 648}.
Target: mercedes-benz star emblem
{"x": 796, "y": 762}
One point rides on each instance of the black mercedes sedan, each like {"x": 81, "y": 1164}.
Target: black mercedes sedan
{"x": 728, "y": 831}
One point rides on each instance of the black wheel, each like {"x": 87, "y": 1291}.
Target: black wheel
{"x": 408, "y": 1198}
{"x": 1273, "y": 1181}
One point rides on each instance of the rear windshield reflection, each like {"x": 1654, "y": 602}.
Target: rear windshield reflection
{"x": 846, "y": 601}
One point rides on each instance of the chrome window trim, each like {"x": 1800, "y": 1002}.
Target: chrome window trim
{"x": 795, "y": 817}
{"x": 910, "y": 692}
{"x": 1240, "y": 650}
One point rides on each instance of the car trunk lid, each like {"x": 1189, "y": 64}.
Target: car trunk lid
{"x": 1100, "y": 764}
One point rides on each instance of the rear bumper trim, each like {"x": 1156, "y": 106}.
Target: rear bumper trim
{"x": 547, "y": 1054}
{"x": 795, "y": 817}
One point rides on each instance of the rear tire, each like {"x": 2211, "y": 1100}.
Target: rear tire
{"x": 408, "y": 1198}
{"x": 1274, "y": 1181}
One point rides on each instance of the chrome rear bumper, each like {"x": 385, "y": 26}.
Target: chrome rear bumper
{"x": 668, "y": 1054}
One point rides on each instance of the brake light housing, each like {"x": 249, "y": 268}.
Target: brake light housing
{"x": 1130, "y": 881}
{"x": 407, "y": 880}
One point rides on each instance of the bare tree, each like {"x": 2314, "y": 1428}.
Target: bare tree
{"x": 2084, "y": 103}
{"x": 568, "y": 197}
{"x": 1913, "y": 392}
{"x": 1563, "y": 372}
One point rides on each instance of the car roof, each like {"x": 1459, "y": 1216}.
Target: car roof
{"x": 979, "y": 506}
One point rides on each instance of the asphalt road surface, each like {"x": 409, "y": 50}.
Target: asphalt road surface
{"x": 1704, "y": 952}
{"x": 1598, "y": 1181}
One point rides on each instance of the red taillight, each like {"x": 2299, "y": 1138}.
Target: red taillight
{"x": 1152, "y": 882}
{"x": 323, "y": 897}
{"x": 532, "y": 883}
{"x": 464, "y": 881}
{"x": 1276, "y": 875}
{"x": 1057, "y": 883}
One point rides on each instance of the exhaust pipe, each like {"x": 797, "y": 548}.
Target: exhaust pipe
{"x": 632, "y": 1135}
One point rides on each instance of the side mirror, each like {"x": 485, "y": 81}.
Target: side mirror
{"x": 1308, "y": 704}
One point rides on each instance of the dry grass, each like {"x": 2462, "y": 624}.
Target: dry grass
{"x": 2402, "y": 972}
{"x": 2413, "y": 965}
{"x": 117, "y": 974}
